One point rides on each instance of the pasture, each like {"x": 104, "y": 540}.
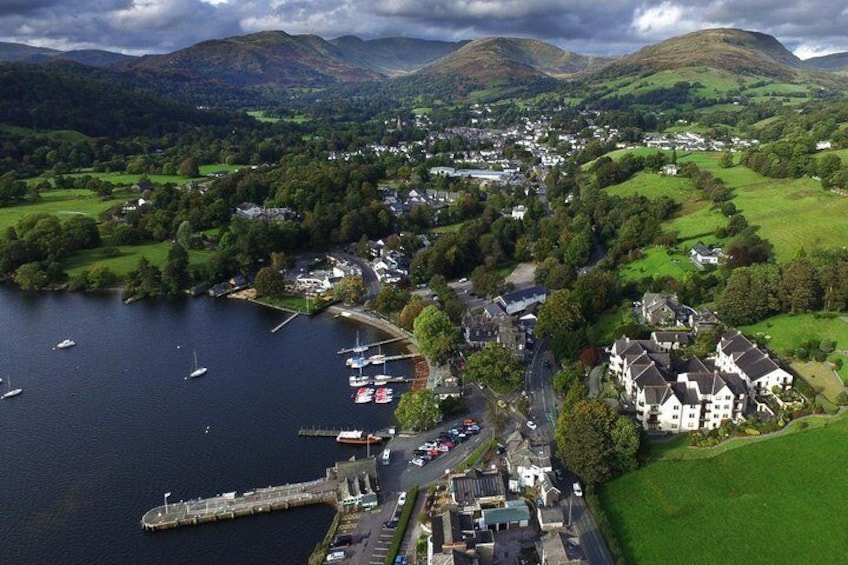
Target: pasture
{"x": 771, "y": 500}
{"x": 63, "y": 203}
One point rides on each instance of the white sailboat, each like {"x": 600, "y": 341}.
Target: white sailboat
{"x": 358, "y": 348}
{"x": 198, "y": 371}
{"x": 11, "y": 391}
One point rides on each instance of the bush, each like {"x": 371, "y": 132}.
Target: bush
{"x": 802, "y": 354}
{"x": 820, "y": 356}
{"x": 837, "y": 364}
{"x": 842, "y": 398}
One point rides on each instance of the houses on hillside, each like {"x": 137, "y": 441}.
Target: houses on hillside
{"x": 682, "y": 395}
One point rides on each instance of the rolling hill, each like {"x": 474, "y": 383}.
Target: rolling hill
{"x": 833, "y": 62}
{"x": 20, "y": 53}
{"x": 267, "y": 59}
{"x": 733, "y": 50}
{"x": 393, "y": 56}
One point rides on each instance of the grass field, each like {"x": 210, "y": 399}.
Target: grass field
{"x": 774, "y": 501}
{"x": 656, "y": 263}
{"x": 63, "y": 203}
{"x": 128, "y": 259}
{"x": 653, "y": 185}
{"x": 787, "y": 332}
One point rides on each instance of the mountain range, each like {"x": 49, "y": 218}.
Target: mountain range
{"x": 275, "y": 60}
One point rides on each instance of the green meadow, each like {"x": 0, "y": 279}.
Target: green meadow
{"x": 63, "y": 203}
{"x": 128, "y": 257}
{"x": 657, "y": 262}
{"x": 772, "y": 500}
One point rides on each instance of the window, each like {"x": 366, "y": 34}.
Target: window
{"x": 674, "y": 417}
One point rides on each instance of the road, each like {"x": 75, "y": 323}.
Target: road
{"x": 543, "y": 409}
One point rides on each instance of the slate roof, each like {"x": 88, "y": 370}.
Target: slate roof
{"x": 514, "y": 511}
{"x": 446, "y": 530}
{"x": 524, "y": 294}
{"x": 474, "y": 485}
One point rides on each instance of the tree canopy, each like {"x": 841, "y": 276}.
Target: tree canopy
{"x": 596, "y": 443}
{"x": 418, "y": 410}
{"x": 436, "y": 335}
{"x": 496, "y": 367}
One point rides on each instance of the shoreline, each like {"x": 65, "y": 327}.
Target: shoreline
{"x": 371, "y": 320}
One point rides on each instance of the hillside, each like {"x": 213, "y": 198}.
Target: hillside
{"x": 43, "y": 98}
{"x": 737, "y": 51}
{"x": 834, "y": 62}
{"x": 393, "y": 56}
{"x": 20, "y": 53}
{"x": 267, "y": 59}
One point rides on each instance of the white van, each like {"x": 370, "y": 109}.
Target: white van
{"x": 387, "y": 456}
{"x": 334, "y": 556}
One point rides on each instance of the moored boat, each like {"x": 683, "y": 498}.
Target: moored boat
{"x": 359, "y": 380}
{"x": 357, "y": 437}
{"x": 356, "y": 362}
{"x": 64, "y": 344}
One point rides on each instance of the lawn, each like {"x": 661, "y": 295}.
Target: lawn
{"x": 653, "y": 185}
{"x": 774, "y": 501}
{"x": 656, "y": 262}
{"x": 786, "y": 332}
{"x": 63, "y": 203}
{"x": 128, "y": 259}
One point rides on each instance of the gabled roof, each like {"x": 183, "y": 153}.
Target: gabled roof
{"x": 658, "y": 394}
{"x": 519, "y": 295}
{"x": 683, "y": 338}
{"x": 649, "y": 376}
{"x": 755, "y": 364}
{"x": 735, "y": 383}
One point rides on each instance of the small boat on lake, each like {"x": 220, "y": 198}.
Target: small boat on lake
{"x": 364, "y": 395}
{"x": 197, "y": 371}
{"x": 359, "y": 380}
{"x": 10, "y": 391}
{"x": 65, "y": 344}
{"x": 357, "y": 362}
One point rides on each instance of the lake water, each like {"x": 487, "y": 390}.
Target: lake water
{"x": 104, "y": 429}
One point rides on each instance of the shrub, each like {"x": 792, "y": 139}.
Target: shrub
{"x": 802, "y": 353}
{"x": 842, "y": 398}
{"x": 820, "y": 356}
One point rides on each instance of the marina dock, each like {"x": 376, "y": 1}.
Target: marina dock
{"x": 375, "y": 344}
{"x": 230, "y": 505}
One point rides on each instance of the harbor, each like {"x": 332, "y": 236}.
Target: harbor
{"x": 367, "y": 346}
{"x": 319, "y": 431}
{"x": 230, "y": 505}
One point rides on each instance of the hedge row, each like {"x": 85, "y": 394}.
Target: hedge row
{"x": 394, "y": 547}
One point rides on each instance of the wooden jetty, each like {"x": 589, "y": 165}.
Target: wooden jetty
{"x": 284, "y": 322}
{"x": 317, "y": 431}
{"x": 344, "y": 350}
{"x": 230, "y": 505}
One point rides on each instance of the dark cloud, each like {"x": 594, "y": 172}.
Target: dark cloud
{"x": 586, "y": 26}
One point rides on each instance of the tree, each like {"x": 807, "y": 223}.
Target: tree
{"x": 410, "y": 312}
{"x": 496, "y": 367}
{"x": 726, "y": 160}
{"x": 350, "y": 290}
{"x": 558, "y": 317}
{"x": 436, "y": 335}
{"x": 799, "y": 288}
{"x": 31, "y": 276}
{"x": 269, "y": 282}
{"x": 391, "y": 299}
{"x": 749, "y": 295}
{"x": 100, "y": 276}
{"x": 189, "y": 168}
{"x": 596, "y": 443}
{"x": 175, "y": 275}
{"x": 418, "y": 410}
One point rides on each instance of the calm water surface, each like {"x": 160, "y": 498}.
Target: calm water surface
{"x": 104, "y": 429}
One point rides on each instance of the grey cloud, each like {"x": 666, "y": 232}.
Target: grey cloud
{"x": 586, "y": 26}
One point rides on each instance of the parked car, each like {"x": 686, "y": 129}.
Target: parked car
{"x": 531, "y": 424}
{"x": 341, "y": 540}
{"x": 418, "y": 461}
{"x": 334, "y": 556}
{"x": 578, "y": 490}
{"x": 402, "y": 498}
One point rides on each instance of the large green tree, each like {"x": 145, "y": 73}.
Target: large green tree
{"x": 349, "y": 290}
{"x": 750, "y": 294}
{"x": 558, "y": 318}
{"x": 799, "y": 289}
{"x": 437, "y": 337}
{"x": 496, "y": 367}
{"x": 596, "y": 443}
{"x": 269, "y": 282}
{"x": 418, "y": 410}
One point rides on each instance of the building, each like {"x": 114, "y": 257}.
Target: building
{"x": 700, "y": 254}
{"x": 519, "y": 300}
{"x": 513, "y": 514}
{"x": 357, "y": 484}
{"x": 682, "y": 395}
{"x": 474, "y": 490}
{"x": 660, "y": 308}
{"x": 558, "y": 548}
{"x": 736, "y": 353}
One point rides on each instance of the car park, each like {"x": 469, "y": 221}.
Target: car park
{"x": 531, "y": 424}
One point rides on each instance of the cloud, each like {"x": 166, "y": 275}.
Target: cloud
{"x": 585, "y": 26}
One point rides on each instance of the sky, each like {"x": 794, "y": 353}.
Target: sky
{"x": 593, "y": 27}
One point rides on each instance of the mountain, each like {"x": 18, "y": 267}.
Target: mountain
{"x": 833, "y": 62}
{"x": 733, "y": 50}
{"x": 20, "y": 53}
{"x": 394, "y": 56}
{"x": 498, "y": 61}
{"x": 272, "y": 59}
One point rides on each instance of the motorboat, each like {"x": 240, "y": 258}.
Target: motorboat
{"x": 359, "y": 380}
{"x": 10, "y": 392}
{"x": 357, "y": 362}
{"x": 64, "y": 344}
{"x": 357, "y": 437}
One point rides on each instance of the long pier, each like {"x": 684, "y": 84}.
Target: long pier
{"x": 344, "y": 350}
{"x": 334, "y": 432}
{"x": 230, "y": 505}
{"x": 284, "y": 322}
